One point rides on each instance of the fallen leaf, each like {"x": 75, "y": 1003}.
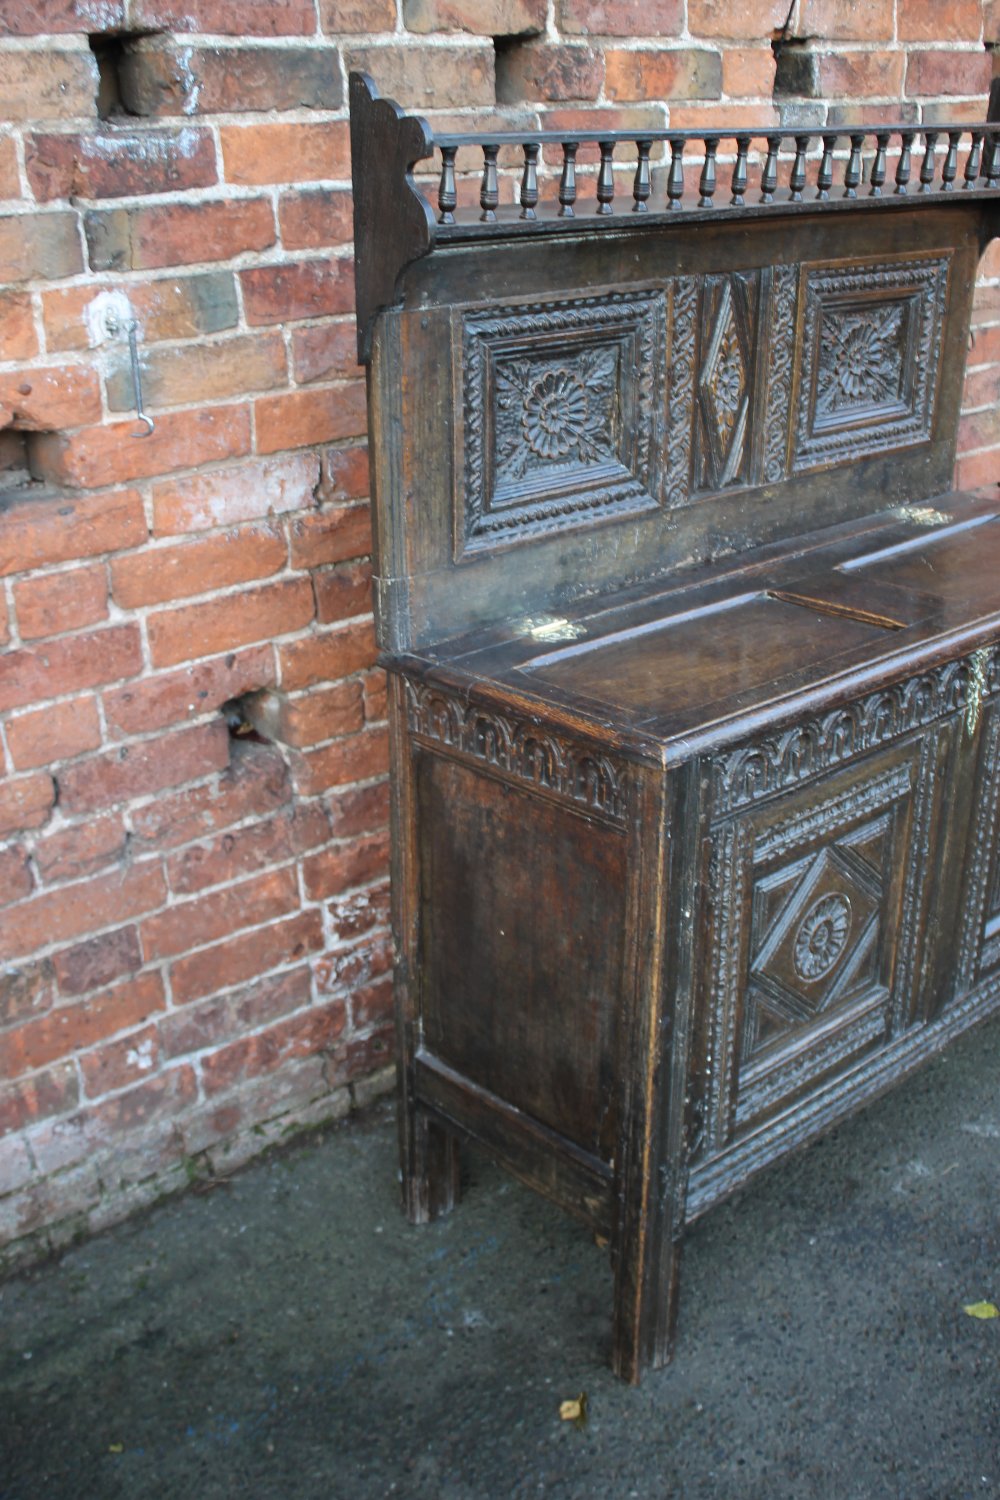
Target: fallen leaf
{"x": 575, "y": 1411}
{"x": 982, "y": 1310}
{"x": 116, "y": 1447}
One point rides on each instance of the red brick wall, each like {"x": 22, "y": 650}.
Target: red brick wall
{"x": 193, "y": 940}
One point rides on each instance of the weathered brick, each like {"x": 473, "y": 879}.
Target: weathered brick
{"x": 159, "y": 77}
{"x": 360, "y": 911}
{"x": 208, "y": 918}
{"x": 81, "y": 850}
{"x": 36, "y": 533}
{"x": 371, "y": 1005}
{"x": 483, "y": 17}
{"x": 199, "y": 1026}
{"x": 41, "y": 399}
{"x": 300, "y": 1036}
{"x": 245, "y": 850}
{"x": 359, "y": 757}
{"x": 72, "y": 911}
{"x": 976, "y": 469}
{"x": 226, "y": 496}
{"x": 46, "y": 735}
{"x": 661, "y": 18}
{"x": 322, "y": 715}
{"x": 685, "y": 73}
{"x": 326, "y": 655}
{"x": 45, "y": 245}
{"x": 362, "y": 1056}
{"x": 255, "y": 155}
{"x": 254, "y": 784}
{"x": 226, "y": 17}
{"x": 15, "y": 877}
{"x": 344, "y": 474}
{"x": 756, "y": 20}
{"x": 147, "y": 766}
{"x": 341, "y": 866}
{"x": 172, "y": 308}
{"x": 41, "y": 17}
{"x": 547, "y": 70}
{"x": 97, "y": 962}
{"x": 177, "y": 234}
{"x": 979, "y": 430}
{"x": 48, "y": 85}
{"x": 982, "y": 388}
{"x": 25, "y": 803}
{"x": 117, "y": 1064}
{"x": 843, "y": 20}
{"x": 927, "y": 21}
{"x": 376, "y": 696}
{"x": 52, "y": 1092}
{"x": 747, "y": 71}
{"x": 98, "y": 456}
{"x": 305, "y": 418}
{"x": 328, "y": 351}
{"x": 212, "y": 370}
{"x": 330, "y": 536}
{"x": 26, "y": 990}
{"x": 73, "y": 1027}
{"x": 429, "y": 77}
{"x": 10, "y": 177}
{"x": 959, "y": 73}
{"x": 311, "y": 218}
{"x": 259, "y": 614}
{"x": 197, "y": 975}
{"x": 69, "y": 665}
{"x": 103, "y": 164}
{"x": 18, "y": 339}
{"x": 758, "y": 117}
{"x": 56, "y": 602}
{"x": 180, "y": 570}
{"x": 348, "y": 968}
{"x": 343, "y": 592}
{"x": 169, "y": 698}
{"x": 303, "y": 289}
{"x": 860, "y": 73}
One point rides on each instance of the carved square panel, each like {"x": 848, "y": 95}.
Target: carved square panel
{"x": 727, "y": 380}
{"x": 562, "y": 416}
{"x": 869, "y": 358}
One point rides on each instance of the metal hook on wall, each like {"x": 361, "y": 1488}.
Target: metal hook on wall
{"x": 137, "y": 381}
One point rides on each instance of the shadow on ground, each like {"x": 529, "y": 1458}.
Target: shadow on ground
{"x": 286, "y": 1336}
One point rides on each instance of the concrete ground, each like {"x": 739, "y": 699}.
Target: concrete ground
{"x": 286, "y": 1336}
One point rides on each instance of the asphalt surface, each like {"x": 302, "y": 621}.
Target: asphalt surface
{"x": 285, "y": 1335}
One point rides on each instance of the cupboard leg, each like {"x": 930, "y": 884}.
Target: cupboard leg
{"x": 645, "y": 1305}
{"x": 429, "y": 1161}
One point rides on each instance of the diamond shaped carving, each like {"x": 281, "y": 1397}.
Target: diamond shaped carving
{"x": 725, "y": 380}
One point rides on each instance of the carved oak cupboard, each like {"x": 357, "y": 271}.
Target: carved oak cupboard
{"x": 695, "y": 683}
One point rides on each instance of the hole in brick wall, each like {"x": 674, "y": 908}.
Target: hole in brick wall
{"x": 795, "y": 73}
{"x": 18, "y": 475}
{"x": 110, "y": 52}
{"x": 237, "y": 714}
{"x": 508, "y": 65}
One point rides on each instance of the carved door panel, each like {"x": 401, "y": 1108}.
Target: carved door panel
{"x": 814, "y": 921}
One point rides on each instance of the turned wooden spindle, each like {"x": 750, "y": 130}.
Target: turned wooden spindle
{"x": 641, "y": 187}
{"x": 927, "y": 165}
{"x": 675, "y": 178}
{"x": 878, "y": 165}
{"x": 447, "y": 192}
{"x": 529, "y": 181}
{"x": 769, "y": 176}
{"x": 852, "y": 172}
{"x": 973, "y": 160}
{"x": 797, "y": 179}
{"x": 606, "y": 178}
{"x": 489, "y": 193}
{"x": 824, "y": 177}
{"x": 739, "y": 179}
{"x": 949, "y": 170}
{"x": 903, "y": 165}
{"x": 992, "y": 163}
{"x": 567, "y": 182}
{"x": 706, "y": 186}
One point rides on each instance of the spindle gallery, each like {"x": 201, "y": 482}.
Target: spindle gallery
{"x": 693, "y": 648}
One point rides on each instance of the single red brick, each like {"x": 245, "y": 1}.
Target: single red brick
{"x": 979, "y": 430}
{"x": 212, "y": 370}
{"x": 977, "y": 469}
{"x": 171, "y": 697}
{"x": 301, "y": 289}
{"x": 428, "y": 77}
{"x": 178, "y": 571}
{"x": 226, "y": 17}
{"x": 321, "y": 715}
{"x": 226, "y": 964}
{"x": 15, "y": 878}
{"x": 160, "y": 78}
{"x": 330, "y": 536}
{"x": 326, "y": 655}
{"x": 147, "y": 766}
{"x": 122, "y": 1062}
{"x": 43, "y": 246}
{"x": 38, "y": 532}
{"x": 372, "y": 1006}
{"x": 41, "y": 17}
{"x": 206, "y": 919}
{"x": 52, "y": 1092}
{"x": 72, "y": 1027}
{"x": 343, "y": 593}
{"x": 759, "y": 117}
{"x": 747, "y": 72}
{"x": 56, "y": 602}
{"x": 97, "y": 962}
{"x": 359, "y": 757}
{"x": 362, "y": 809}
{"x": 48, "y": 735}
{"x": 255, "y": 784}
{"x": 532, "y": 70}
{"x": 860, "y": 73}
{"x": 326, "y": 352}
{"x": 959, "y": 73}
{"x": 686, "y": 73}
{"x": 247, "y": 849}
{"x": 361, "y": 1056}
{"x": 376, "y": 696}
{"x": 360, "y": 911}
{"x": 926, "y": 21}
{"x": 75, "y": 852}
{"x": 98, "y": 456}
{"x": 73, "y": 910}
{"x": 344, "y": 474}
{"x": 341, "y": 866}
{"x": 69, "y": 664}
{"x": 226, "y": 496}
{"x": 303, "y": 1035}
{"x": 25, "y": 803}
{"x": 103, "y": 164}
{"x": 256, "y": 155}
{"x": 18, "y": 339}
{"x": 172, "y": 308}
{"x": 484, "y": 17}
{"x": 843, "y": 20}
{"x": 347, "y": 968}
{"x": 660, "y": 18}
{"x": 177, "y": 234}
{"x": 313, "y": 218}
{"x": 199, "y": 1026}
{"x": 25, "y": 991}
{"x": 352, "y": 16}
{"x": 258, "y": 614}
{"x": 305, "y": 418}
{"x": 982, "y": 387}
{"x": 48, "y": 84}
